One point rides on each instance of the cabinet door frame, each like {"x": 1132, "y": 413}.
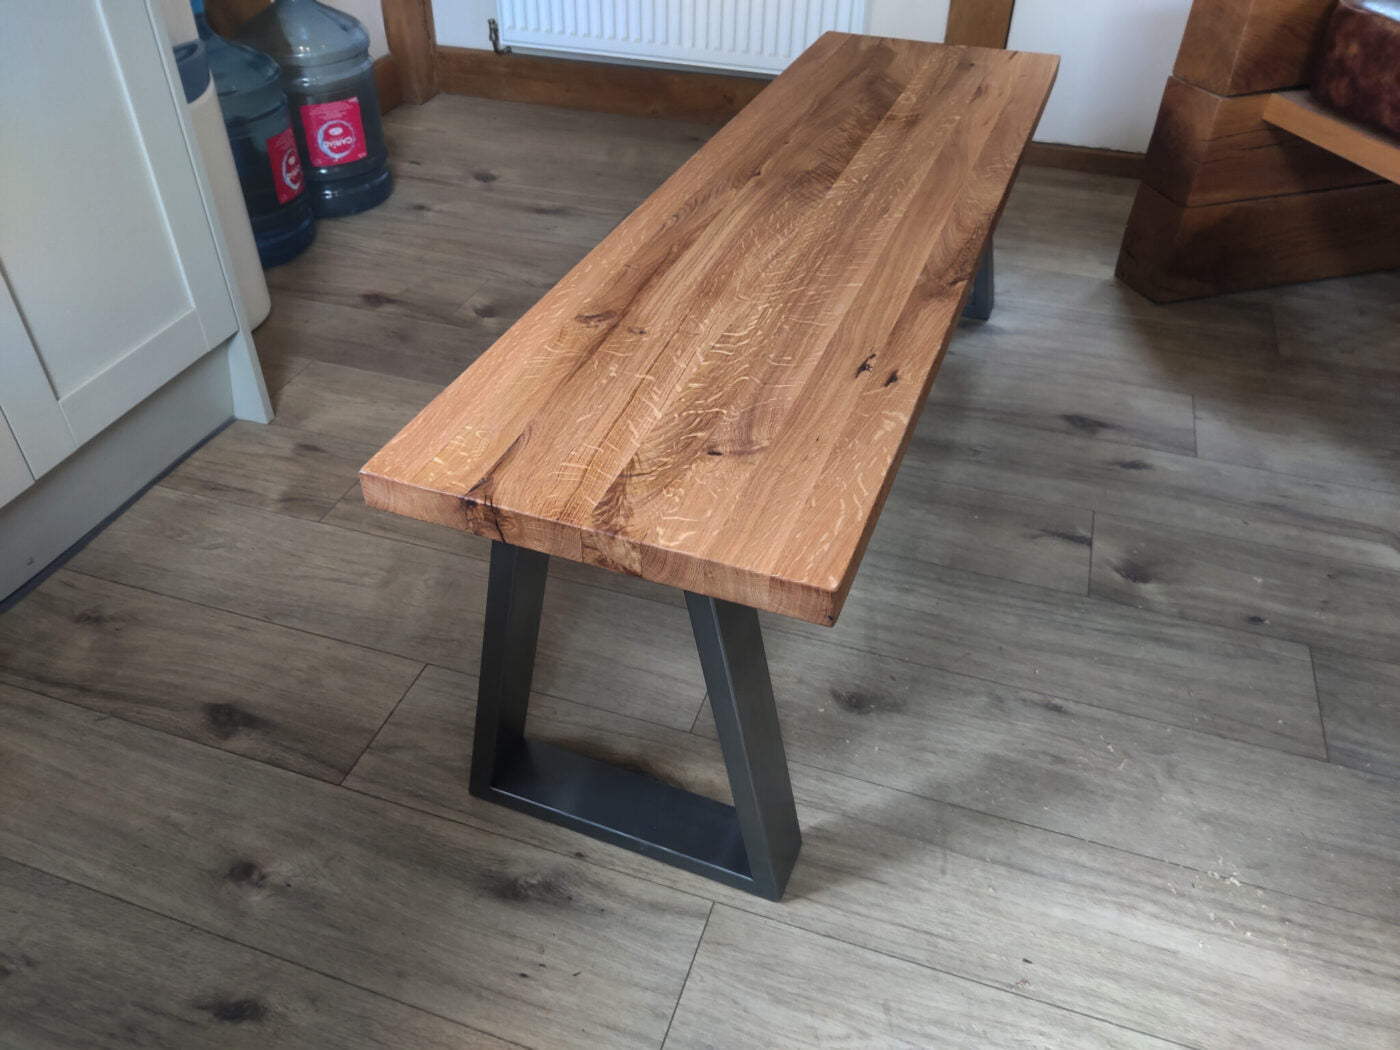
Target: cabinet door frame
{"x": 49, "y": 428}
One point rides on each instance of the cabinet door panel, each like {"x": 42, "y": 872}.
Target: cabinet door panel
{"x": 14, "y": 473}
{"x": 103, "y": 234}
{"x": 25, "y": 395}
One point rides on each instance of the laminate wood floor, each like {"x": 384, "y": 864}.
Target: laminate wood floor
{"x": 1104, "y": 752}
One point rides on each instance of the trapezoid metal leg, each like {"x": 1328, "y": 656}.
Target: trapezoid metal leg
{"x": 751, "y": 845}
{"x": 980, "y": 302}
{"x": 746, "y": 718}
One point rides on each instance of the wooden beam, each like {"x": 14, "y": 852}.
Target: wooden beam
{"x": 408, "y": 25}
{"x": 1234, "y": 47}
{"x": 979, "y": 23}
{"x": 1299, "y": 113}
{"x": 1172, "y": 252}
{"x": 708, "y": 98}
{"x": 1211, "y": 149}
{"x": 387, "y": 84}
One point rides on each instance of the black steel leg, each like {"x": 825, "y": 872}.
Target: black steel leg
{"x": 514, "y": 599}
{"x": 979, "y": 303}
{"x": 751, "y": 845}
{"x": 746, "y": 718}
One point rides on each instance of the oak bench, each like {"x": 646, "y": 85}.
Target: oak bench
{"x": 717, "y": 398}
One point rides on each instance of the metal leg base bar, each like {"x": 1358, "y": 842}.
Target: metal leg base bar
{"x": 751, "y": 845}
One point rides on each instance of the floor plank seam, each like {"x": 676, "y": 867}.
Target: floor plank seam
{"x": 1321, "y": 717}
{"x": 1195, "y": 430}
{"x": 773, "y": 625}
{"x": 1315, "y": 478}
{"x": 796, "y": 633}
{"x": 458, "y": 818}
{"x": 249, "y": 947}
{"x": 1003, "y": 989}
{"x": 331, "y": 638}
{"x": 681, "y": 994}
{"x": 1089, "y": 567}
{"x": 385, "y": 721}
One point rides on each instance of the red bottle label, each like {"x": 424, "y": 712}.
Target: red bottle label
{"x": 334, "y": 133}
{"x": 286, "y": 165}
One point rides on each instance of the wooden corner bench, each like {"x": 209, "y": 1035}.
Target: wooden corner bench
{"x": 717, "y": 398}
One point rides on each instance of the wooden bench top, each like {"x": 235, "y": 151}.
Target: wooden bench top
{"x": 718, "y": 395}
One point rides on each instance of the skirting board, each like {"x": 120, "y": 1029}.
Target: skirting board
{"x": 58, "y": 510}
{"x": 643, "y": 91}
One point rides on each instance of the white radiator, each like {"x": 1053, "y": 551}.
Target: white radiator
{"x": 758, "y": 36}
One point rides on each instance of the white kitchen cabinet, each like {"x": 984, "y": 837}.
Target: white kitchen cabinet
{"x": 113, "y": 272}
{"x": 122, "y": 338}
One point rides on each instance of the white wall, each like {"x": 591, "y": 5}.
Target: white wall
{"x": 462, "y": 23}
{"x": 907, "y": 19}
{"x": 1115, "y": 54}
{"x": 372, "y": 15}
{"x": 1115, "y": 57}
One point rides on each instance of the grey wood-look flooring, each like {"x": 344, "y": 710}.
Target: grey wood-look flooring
{"x": 1104, "y": 752}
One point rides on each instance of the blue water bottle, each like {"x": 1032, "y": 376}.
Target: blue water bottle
{"x": 259, "y": 125}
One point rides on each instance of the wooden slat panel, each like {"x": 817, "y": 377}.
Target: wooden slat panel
{"x": 979, "y": 23}
{"x": 1171, "y": 252}
{"x": 1300, "y": 113}
{"x": 1211, "y": 149}
{"x": 1234, "y": 47}
{"x": 716, "y": 398}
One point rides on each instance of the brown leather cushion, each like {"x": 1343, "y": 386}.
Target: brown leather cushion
{"x": 1359, "y": 69}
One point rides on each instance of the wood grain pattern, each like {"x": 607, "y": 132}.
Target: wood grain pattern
{"x": 1212, "y": 149}
{"x": 393, "y": 597}
{"x": 1192, "y": 675}
{"x": 439, "y": 916}
{"x": 131, "y": 980}
{"x": 1172, "y": 253}
{"x": 1327, "y": 518}
{"x": 1048, "y": 399}
{"x": 1203, "y": 959}
{"x": 717, "y": 397}
{"x": 273, "y": 467}
{"x": 979, "y": 23}
{"x": 1052, "y": 762}
{"x": 1234, "y": 47}
{"x": 710, "y": 98}
{"x": 800, "y": 989}
{"x": 408, "y": 27}
{"x": 1294, "y": 596}
{"x": 281, "y": 696}
{"x": 1301, "y": 114}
